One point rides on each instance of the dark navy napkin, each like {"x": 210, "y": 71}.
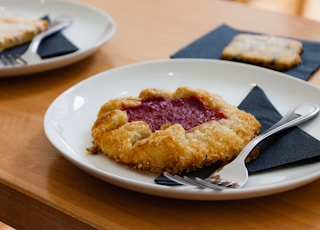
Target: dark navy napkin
{"x": 288, "y": 148}
{"x": 53, "y": 46}
{"x": 211, "y": 45}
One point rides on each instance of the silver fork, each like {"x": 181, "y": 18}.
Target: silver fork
{"x": 31, "y": 55}
{"x": 235, "y": 173}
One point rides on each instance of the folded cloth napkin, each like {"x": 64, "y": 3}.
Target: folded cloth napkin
{"x": 211, "y": 45}
{"x": 53, "y": 46}
{"x": 290, "y": 147}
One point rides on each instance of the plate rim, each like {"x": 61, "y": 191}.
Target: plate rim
{"x": 161, "y": 190}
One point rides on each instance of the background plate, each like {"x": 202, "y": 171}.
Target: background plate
{"x": 233, "y": 81}
{"x": 90, "y": 29}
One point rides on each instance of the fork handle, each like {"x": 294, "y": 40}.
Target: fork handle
{"x": 295, "y": 116}
{"x": 58, "y": 24}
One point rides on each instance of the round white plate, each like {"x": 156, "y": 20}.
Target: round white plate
{"x": 90, "y": 29}
{"x": 69, "y": 118}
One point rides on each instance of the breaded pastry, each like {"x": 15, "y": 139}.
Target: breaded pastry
{"x": 265, "y": 50}
{"x": 17, "y": 29}
{"x": 172, "y": 131}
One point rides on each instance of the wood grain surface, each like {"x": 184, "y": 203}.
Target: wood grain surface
{"x": 39, "y": 189}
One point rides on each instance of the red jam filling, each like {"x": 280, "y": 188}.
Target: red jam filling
{"x": 189, "y": 112}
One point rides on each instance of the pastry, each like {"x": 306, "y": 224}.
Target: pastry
{"x": 16, "y": 30}
{"x": 172, "y": 131}
{"x": 265, "y": 50}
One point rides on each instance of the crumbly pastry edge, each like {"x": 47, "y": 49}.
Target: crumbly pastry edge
{"x": 18, "y": 29}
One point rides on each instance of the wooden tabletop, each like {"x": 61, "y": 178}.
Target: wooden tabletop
{"x": 40, "y": 189}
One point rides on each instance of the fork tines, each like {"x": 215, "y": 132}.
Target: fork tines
{"x": 217, "y": 181}
{"x": 197, "y": 182}
{"x": 10, "y": 60}
{"x": 7, "y": 60}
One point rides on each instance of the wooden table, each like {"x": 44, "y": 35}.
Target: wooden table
{"x": 39, "y": 189}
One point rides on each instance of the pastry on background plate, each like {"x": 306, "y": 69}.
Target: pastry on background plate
{"x": 17, "y": 29}
{"x": 264, "y": 50}
{"x": 170, "y": 131}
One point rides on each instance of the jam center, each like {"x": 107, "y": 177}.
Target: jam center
{"x": 189, "y": 112}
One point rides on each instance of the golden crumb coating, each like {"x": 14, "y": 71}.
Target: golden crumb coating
{"x": 172, "y": 148}
{"x": 265, "y": 50}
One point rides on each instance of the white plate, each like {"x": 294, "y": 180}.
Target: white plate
{"x": 90, "y": 29}
{"x": 69, "y": 118}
